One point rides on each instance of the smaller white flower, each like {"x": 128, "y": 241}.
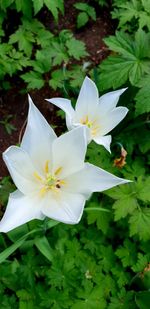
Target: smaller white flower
{"x": 99, "y": 115}
{"x": 50, "y": 174}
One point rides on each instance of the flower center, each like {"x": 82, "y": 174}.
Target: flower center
{"x": 50, "y": 182}
{"x": 92, "y": 125}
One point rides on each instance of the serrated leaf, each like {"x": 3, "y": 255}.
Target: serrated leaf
{"x": 124, "y": 206}
{"x": 37, "y": 5}
{"x": 142, "y": 99}
{"x": 127, "y": 253}
{"x": 140, "y": 223}
{"x": 53, "y": 7}
{"x": 132, "y": 63}
{"x": 33, "y": 79}
{"x": 76, "y": 48}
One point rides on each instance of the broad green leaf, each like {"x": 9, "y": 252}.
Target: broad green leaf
{"x": 121, "y": 43}
{"x": 7, "y": 252}
{"x": 44, "y": 247}
{"x": 132, "y": 61}
{"x": 118, "y": 71}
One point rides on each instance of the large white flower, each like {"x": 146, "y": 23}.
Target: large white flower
{"x": 50, "y": 174}
{"x": 99, "y": 115}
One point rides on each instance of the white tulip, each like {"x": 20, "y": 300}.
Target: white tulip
{"x": 99, "y": 115}
{"x": 50, "y": 174}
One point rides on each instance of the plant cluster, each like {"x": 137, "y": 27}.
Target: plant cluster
{"x": 104, "y": 261}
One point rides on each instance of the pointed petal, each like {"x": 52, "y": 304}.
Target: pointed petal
{"x": 109, "y": 100}
{"x": 21, "y": 169}
{"x": 104, "y": 140}
{"x": 20, "y": 209}
{"x": 69, "y": 151}
{"x": 68, "y": 208}
{"x": 111, "y": 120}
{"x": 66, "y": 106}
{"x": 87, "y": 99}
{"x": 91, "y": 179}
{"x": 38, "y": 137}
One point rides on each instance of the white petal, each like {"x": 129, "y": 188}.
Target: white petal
{"x": 111, "y": 120}
{"x": 21, "y": 169}
{"x": 66, "y": 106}
{"x": 38, "y": 137}
{"x": 104, "y": 140}
{"x": 20, "y": 209}
{"x": 87, "y": 99}
{"x": 69, "y": 151}
{"x": 67, "y": 208}
{"x": 91, "y": 179}
{"x": 109, "y": 100}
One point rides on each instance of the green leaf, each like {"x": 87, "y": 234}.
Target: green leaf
{"x": 37, "y": 5}
{"x": 142, "y": 97}
{"x": 82, "y": 19}
{"x": 44, "y": 247}
{"x": 124, "y": 206}
{"x": 51, "y": 5}
{"x": 25, "y": 7}
{"x": 140, "y": 223}
{"x": 57, "y": 79}
{"x": 132, "y": 61}
{"x": 76, "y": 48}
{"x": 141, "y": 263}
{"x": 142, "y": 299}
{"x": 127, "y": 253}
{"x": 24, "y": 39}
{"x": 113, "y": 67}
{"x": 7, "y": 252}
{"x": 33, "y": 79}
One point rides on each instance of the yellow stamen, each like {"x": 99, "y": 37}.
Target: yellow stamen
{"x": 46, "y": 168}
{"x": 43, "y": 191}
{"x": 62, "y": 182}
{"x": 36, "y": 175}
{"x": 59, "y": 169}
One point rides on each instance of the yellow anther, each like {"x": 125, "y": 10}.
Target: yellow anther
{"x": 46, "y": 168}
{"x": 36, "y": 175}
{"x": 59, "y": 169}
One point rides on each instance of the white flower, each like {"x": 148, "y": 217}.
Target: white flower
{"x": 50, "y": 174}
{"x": 99, "y": 115}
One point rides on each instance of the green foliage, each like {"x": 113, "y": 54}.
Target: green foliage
{"x": 26, "y": 7}
{"x": 8, "y": 126}
{"x": 87, "y": 12}
{"x": 130, "y": 61}
{"x": 103, "y": 262}
{"x": 132, "y": 14}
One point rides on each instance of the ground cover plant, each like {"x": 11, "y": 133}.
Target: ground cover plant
{"x": 47, "y": 49}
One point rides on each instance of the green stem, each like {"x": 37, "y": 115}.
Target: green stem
{"x": 96, "y": 208}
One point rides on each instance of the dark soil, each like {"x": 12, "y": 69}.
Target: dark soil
{"x": 16, "y": 104}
